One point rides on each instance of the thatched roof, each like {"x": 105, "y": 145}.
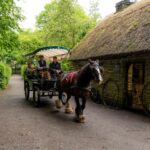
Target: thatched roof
{"x": 124, "y": 32}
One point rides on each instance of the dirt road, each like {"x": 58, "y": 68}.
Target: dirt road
{"x": 23, "y": 127}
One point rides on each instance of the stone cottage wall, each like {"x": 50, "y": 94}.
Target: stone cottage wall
{"x": 113, "y": 87}
{"x": 146, "y": 90}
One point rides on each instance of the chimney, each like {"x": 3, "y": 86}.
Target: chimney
{"x": 124, "y": 4}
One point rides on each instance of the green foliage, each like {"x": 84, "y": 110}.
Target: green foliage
{"x": 5, "y": 74}
{"x": 29, "y": 41}
{"x": 63, "y": 22}
{"x": 9, "y": 18}
{"x": 66, "y": 65}
{"x": 23, "y": 68}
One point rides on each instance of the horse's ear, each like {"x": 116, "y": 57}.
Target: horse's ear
{"x": 97, "y": 61}
{"x": 90, "y": 61}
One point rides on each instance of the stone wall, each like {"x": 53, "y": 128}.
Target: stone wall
{"x": 147, "y": 71}
{"x": 146, "y": 90}
{"x": 112, "y": 89}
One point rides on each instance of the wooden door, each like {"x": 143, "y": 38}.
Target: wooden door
{"x": 135, "y": 84}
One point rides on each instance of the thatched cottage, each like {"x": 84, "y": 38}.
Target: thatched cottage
{"x": 122, "y": 44}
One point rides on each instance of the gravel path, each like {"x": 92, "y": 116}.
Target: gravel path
{"x": 23, "y": 127}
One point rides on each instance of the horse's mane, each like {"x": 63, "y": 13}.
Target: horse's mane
{"x": 82, "y": 70}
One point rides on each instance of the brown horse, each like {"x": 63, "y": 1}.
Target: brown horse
{"x": 77, "y": 84}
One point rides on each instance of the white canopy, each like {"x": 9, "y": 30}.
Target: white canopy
{"x": 51, "y": 51}
{"x": 61, "y": 53}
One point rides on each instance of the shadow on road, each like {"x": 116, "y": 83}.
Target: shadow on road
{"x": 48, "y": 108}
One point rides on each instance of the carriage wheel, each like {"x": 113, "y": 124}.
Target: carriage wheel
{"x": 95, "y": 96}
{"x": 36, "y": 97}
{"x": 27, "y": 91}
{"x": 110, "y": 94}
{"x": 146, "y": 99}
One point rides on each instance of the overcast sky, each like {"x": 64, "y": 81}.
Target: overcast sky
{"x": 31, "y": 8}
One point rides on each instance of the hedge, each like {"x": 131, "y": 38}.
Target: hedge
{"x": 23, "y": 68}
{"x": 5, "y": 74}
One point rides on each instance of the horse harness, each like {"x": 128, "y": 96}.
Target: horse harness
{"x": 71, "y": 79}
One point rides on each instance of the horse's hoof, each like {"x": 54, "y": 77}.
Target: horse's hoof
{"x": 68, "y": 110}
{"x": 58, "y": 104}
{"x": 80, "y": 119}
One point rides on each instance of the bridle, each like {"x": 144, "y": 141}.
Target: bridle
{"x": 96, "y": 72}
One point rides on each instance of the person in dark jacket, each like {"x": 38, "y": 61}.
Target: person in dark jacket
{"x": 41, "y": 63}
{"x": 55, "y": 67}
{"x": 42, "y": 67}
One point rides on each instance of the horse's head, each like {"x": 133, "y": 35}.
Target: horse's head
{"x": 96, "y": 71}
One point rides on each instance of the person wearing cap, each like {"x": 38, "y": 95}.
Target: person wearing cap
{"x": 55, "y": 67}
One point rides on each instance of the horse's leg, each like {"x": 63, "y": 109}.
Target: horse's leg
{"x": 82, "y": 108}
{"x": 68, "y": 108}
{"x": 58, "y": 102}
{"x": 78, "y": 111}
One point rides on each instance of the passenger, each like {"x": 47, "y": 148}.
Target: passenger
{"x": 30, "y": 71}
{"x": 55, "y": 67}
{"x": 42, "y": 63}
{"x": 42, "y": 67}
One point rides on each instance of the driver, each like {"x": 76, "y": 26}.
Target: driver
{"x": 42, "y": 67}
{"x": 55, "y": 67}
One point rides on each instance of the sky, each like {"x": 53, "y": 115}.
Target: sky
{"x": 32, "y": 8}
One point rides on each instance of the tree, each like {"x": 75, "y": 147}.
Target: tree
{"x": 28, "y": 42}
{"x": 9, "y": 17}
{"x": 94, "y": 10}
{"x": 63, "y": 22}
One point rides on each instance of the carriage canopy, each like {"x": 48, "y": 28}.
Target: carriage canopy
{"x": 51, "y": 51}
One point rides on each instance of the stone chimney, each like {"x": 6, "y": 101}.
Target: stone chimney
{"x": 124, "y": 4}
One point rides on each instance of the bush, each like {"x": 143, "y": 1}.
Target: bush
{"x": 5, "y": 74}
{"x": 23, "y": 68}
{"x": 66, "y": 65}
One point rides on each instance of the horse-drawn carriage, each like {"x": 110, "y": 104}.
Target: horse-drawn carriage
{"x": 76, "y": 84}
{"x": 37, "y": 85}
{"x": 40, "y": 88}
